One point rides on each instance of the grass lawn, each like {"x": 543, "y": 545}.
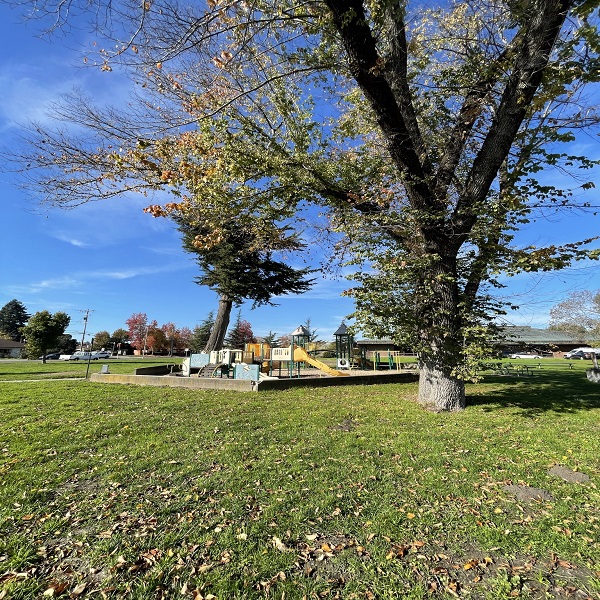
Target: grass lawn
{"x": 21, "y": 370}
{"x": 110, "y": 491}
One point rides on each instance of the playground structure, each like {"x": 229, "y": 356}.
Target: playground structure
{"x": 260, "y": 368}
{"x": 258, "y": 362}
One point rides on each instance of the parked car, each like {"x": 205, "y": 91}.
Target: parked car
{"x": 79, "y": 356}
{"x": 525, "y": 355}
{"x": 576, "y": 353}
{"x": 101, "y": 354}
{"x": 580, "y": 355}
{"x": 52, "y": 356}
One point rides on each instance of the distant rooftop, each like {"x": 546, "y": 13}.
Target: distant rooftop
{"x": 512, "y": 334}
{"x": 530, "y": 335}
{"x": 9, "y": 344}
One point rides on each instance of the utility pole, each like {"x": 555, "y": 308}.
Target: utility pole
{"x": 85, "y": 320}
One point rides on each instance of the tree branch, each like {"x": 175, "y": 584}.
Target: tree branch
{"x": 544, "y": 22}
{"x": 367, "y": 68}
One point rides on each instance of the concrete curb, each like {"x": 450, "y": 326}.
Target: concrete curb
{"x": 244, "y": 385}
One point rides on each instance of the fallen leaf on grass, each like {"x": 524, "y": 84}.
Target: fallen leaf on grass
{"x": 205, "y": 568}
{"x": 471, "y": 564}
{"x": 279, "y": 544}
{"x": 78, "y": 590}
{"x": 56, "y": 589}
{"x": 452, "y": 588}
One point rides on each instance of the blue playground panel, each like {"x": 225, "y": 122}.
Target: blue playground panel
{"x": 243, "y": 371}
{"x": 197, "y": 361}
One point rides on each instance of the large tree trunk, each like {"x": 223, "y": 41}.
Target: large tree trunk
{"x": 219, "y": 328}
{"x": 438, "y": 389}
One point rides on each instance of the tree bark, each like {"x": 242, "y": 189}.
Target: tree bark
{"x": 441, "y": 335}
{"x": 219, "y": 328}
{"x": 438, "y": 390}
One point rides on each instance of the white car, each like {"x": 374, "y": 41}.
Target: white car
{"x": 524, "y": 355}
{"x": 80, "y": 356}
{"x": 101, "y": 354}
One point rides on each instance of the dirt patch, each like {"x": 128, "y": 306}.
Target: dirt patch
{"x": 524, "y": 493}
{"x": 345, "y": 425}
{"x": 568, "y": 474}
{"x": 472, "y": 574}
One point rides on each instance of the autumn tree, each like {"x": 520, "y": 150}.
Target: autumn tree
{"x": 43, "y": 331}
{"x": 183, "y": 338}
{"x": 155, "y": 340}
{"x": 137, "y": 329}
{"x": 578, "y": 314}
{"x": 102, "y": 339}
{"x": 13, "y": 316}
{"x": 170, "y": 331}
{"x": 420, "y": 132}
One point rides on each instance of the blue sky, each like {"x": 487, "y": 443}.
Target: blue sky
{"x": 115, "y": 260}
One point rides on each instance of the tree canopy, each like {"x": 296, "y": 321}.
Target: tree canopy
{"x": 240, "y": 334}
{"x": 43, "y": 331}
{"x": 578, "y": 314}
{"x": 421, "y": 133}
{"x": 13, "y": 316}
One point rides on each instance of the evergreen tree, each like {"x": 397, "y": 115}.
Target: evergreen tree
{"x": 271, "y": 339}
{"x": 101, "y": 340}
{"x": 201, "y": 333}
{"x": 238, "y": 266}
{"x": 313, "y": 338}
{"x": 13, "y": 316}
{"x": 240, "y": 335}
{"x": 65, "y": 344}
{"x": 119, "y": 336}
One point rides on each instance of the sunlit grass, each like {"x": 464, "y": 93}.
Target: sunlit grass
{"x": 352, "y": 492}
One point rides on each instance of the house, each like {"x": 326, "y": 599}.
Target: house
{"x": 515, "y": 338}
{"x": 10, "y": 349}
{"x": 368, "y": 348}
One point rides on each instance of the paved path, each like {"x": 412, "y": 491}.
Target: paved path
{"x": 47, "y": 379}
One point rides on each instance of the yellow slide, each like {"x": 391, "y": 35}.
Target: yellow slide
{"x": 300, "y": 355}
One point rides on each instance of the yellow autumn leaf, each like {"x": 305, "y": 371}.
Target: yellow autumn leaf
{"x": 469, "y": 565}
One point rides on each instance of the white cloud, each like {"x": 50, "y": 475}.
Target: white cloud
{"x": 135, "y": 272}
{"x": 65, "y": 237}
{"x": 80, "y": 279}
{"x": 58, "y": 283}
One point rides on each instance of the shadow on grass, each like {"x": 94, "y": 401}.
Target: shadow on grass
{"x": 558, "y": 391}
